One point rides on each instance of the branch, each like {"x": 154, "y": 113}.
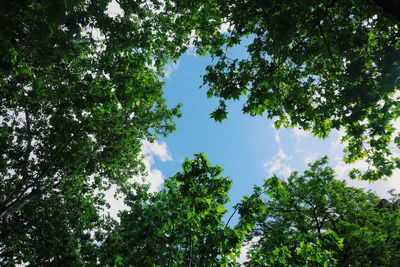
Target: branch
{"x": 339, "y": 40}
{"x": 190, "y": 248}
{"x": 72, "y": 137}
{"x": 21, "y": 188}
{"x": 233, "y": 213}
{"x": 301, "y": 216}
{"x": 327, "y": 45}
{"x": 19, "y": 199}
{"x": 19, "y": 204}
{"x": 29, "y": 138}
{"x": 319, "y": 226}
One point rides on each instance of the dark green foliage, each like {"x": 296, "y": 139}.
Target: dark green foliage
{"x": 315, "y": 220}
{"x": 55, "y": 230}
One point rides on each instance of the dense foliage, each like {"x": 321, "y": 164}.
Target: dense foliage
{"x": 55, "y": 230}
{"x": 79, "y": 91}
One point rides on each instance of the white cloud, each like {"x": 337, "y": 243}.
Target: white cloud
{"x": 154, "y": 176}
{"x": 225, "y": 27}
{"x": 394, "y": 181}
{"x": 396, "y": 124}
{"x": 115, "y": 200}
{"x": 170, "y": 68}
{"x": 149, "y": 151}
{"x": 156, "y": 149}
{"x": 277, "y": 164}
{"x": 114, "y": 10}
{"x": 342, "y": 169}
{"x": 336, "y": 147}
{"x": 191, "y": 51}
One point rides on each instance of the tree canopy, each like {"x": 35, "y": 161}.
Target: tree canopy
{"x": 315, "y": 220}
{"x": 80, "y": 90}
{"x": 56, "y": 230}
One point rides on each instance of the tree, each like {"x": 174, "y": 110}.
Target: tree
{"x": 81, "y": 89}
{"x": 180, "y": 225}
{"x": 315, "y": 220}
{"x": 316, "y": 65}
{"x": 79, "y": 92}
{"x": 61, "y": 228}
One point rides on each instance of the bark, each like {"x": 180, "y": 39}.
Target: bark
{"x": 19, "y": 203}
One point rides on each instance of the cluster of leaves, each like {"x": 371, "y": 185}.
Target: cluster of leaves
{"x": 315, "y": 220}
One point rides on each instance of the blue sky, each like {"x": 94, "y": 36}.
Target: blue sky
{"x": 249, "y": 149}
